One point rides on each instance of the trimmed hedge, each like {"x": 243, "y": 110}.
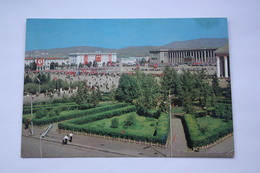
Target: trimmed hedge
{"x": 161, "y": 137}
{"x": 196, "y": 138}
{"x": 103, "y": 115}
{"x": 163, "y": 127}
{"x": 108, "y": 132}
{"x": 149, "y": 113}
{"x": 49, "y": 107}
{"x": 66, "y": 116}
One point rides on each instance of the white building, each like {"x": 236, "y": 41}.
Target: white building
{"x": 86, "y": 58}
{"x": 44, "y": 63}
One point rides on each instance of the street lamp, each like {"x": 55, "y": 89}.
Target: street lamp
{"x": 32, "y": 114}
{"x": 39, "y": 84}
{"x": 170, "y": 123}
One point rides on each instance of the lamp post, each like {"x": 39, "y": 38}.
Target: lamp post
{"x": 39, "y": 84}
{"x": 32, "y": 114}
{"x": 170, "y": 124}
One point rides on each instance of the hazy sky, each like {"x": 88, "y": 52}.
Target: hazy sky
{"x": 119, "y": 33}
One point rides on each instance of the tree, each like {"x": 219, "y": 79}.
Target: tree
{"x": 128, "y": 89}
{"x": 215, "y": 85}
{"x": 52, "y": 65}
{"x": 228, "y": 89}
{"x": 94, "y": 98}
{"x": 203, "y": 88}
{"x": 187, "y": 91}
{"x": 81, "y": 97}
{"x": 27, "y": 79}
{"x": 149, "y": 93}
{"x": 33, "y": 66}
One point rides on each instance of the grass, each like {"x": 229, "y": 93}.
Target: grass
{"x": 211, "y": 124}
{"x": 143, "y": 125}
{"x": 205, "y": 130}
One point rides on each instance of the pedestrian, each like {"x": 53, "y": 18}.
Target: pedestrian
{"x": 65, "y": 139}
{"x": 70, "y": 137}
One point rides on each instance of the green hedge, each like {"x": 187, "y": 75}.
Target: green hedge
{"x": 110, "y": 132}
{"x": 27, "y": 110}
{"x": 102, "y": 115}
{"x": 161, "y": 137}
{"x": 196, "y": 138}
{"x": 69, "y": 115}
{"x": 149, "y": 113}
{"x": 163, "y": 127}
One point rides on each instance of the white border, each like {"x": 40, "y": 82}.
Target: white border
{"x": 244, "y": 36}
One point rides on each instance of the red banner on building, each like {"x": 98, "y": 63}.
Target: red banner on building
{"x": 98, "y": 58}
{"x": 85, "y": 59}
{"x": 39, "y": 61}
{"x": 109, "y": 58}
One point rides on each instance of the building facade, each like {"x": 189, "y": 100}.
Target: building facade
{"x": 181, "y": 56}
{"x": 222, "y": 56}
{"x": 44, "y": 63}
{"x": 86, "y": 58}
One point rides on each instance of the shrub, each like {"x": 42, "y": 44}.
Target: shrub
{"x": 41, "y": 113}
{"x": 130, "y": 120}
{"x": 149, "y": 113}
{"x": 114, "y": 123}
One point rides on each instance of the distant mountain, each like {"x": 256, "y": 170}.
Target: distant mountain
{"x": 131, "y": 51}
{"x": 198, "y": 43}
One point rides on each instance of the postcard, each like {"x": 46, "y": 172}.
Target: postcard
{"x": 156, "y": 87}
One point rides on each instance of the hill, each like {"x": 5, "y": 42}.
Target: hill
{"x": 131, "y": 51}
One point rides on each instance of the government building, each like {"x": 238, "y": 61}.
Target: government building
{"x": 204, "y": 56}
{"x": 182, "y": 56}
{"x": 98, "y": 57}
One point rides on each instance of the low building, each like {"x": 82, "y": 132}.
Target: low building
{"x": 98, "y": 57}
{"x": 44, "y": 63}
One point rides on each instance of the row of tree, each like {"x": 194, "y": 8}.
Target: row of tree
{"x": 184, "y": 89}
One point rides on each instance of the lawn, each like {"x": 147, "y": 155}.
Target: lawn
{"x": 205, "y": 130}
{"x": 143, "y": 126}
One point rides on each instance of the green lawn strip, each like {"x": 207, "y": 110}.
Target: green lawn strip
{"x": 65, "y": 115}
{"x": 205, "y": 130}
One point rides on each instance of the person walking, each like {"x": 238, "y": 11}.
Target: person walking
{"x": 70, "y": 137}
{"x": 65, "y": 140}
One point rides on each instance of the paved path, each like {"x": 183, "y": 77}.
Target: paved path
{"x": 95, "y": 145}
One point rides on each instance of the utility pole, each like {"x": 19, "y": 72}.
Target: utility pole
{"x": 170, "y": 124}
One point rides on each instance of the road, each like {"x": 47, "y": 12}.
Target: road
{"x": 83, "y": 146}
{"x": 31, "y": 149}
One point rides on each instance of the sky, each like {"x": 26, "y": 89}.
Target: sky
{"x": 119, "y": 33}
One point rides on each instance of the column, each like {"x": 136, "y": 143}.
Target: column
{"x": 226, "y": 66}
{"x": 196, "y": 56}
{"x": 205, "y": 56}
{"x": 218, "y": 66}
